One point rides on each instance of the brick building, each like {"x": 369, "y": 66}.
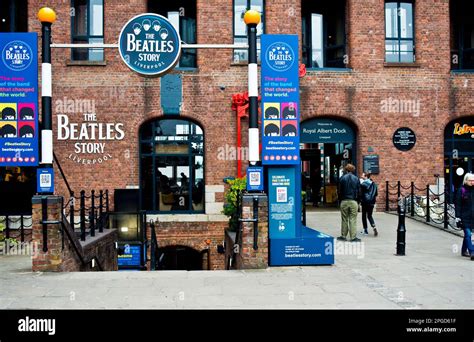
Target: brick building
{"x": 373, "y": 66}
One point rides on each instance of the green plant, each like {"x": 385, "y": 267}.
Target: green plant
{"x": 10, "y": 241}
{"x": 2, "y": 228}
{"x": 232, "y": 197}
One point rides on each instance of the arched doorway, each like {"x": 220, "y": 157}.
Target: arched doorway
{"x": 327, "y": 145}
{"x": 458, "y": 151}
{"x": 179, "y": 258}
{"x": 172, "y": 166}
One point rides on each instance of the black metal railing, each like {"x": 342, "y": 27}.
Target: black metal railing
{"x": 68, "y": 230}
{"x": 422, "y": 203}
{"x": 91, "y": 215}
{"x": 17, "y": 227}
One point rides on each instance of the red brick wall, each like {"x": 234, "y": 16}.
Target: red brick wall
{"x": 123, "y": 96}
{"x": 193, "y": 235}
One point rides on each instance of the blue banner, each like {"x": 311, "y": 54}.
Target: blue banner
{"x": 281, "y": 203}
{"x": 18, "y": 99}
{"x": 280, "y": 100}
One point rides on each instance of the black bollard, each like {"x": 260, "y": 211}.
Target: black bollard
{"x": 401, "y": 229}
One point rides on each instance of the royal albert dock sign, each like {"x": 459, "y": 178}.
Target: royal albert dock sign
{"x": 149, "y": 44}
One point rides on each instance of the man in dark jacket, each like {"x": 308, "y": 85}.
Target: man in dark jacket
{"x": 465, "y": 213}
{"x": 349, "y": 192}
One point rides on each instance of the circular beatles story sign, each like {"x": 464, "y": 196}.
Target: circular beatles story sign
{"x": 149, "y": 44}
{"x": 404, "y": 139}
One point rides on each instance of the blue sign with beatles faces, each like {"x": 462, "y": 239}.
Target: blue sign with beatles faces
{"x": 280, "y": 100}
{"x": 18, "y": 99}
{"x": 149, "y": 44}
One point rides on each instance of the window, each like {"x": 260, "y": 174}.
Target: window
{"x": 182, "y": 15}
{"x": 324, "y": 36}
{"x": 172, "y": 166}
{"x": 240, "y": 29}
{"x": 13, "y": 16}
{"x": 399, "y": 32}
{"x": 87, "y": 27}
{"x": 462, "y": 35}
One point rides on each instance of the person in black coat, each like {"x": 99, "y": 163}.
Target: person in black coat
{"x": 464, "y": 207}
{"x": 368, "y": 198}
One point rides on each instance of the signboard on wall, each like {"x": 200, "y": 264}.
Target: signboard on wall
{"x": 404, "y": 139}
{"x": 149, "y": 44}
{"x": 326, "y": 131}
{"x": 131, "y": 255}
{"x": 18, "y": 99}
{"x": 371, "y": 164}
{"x": 280, "y": 100}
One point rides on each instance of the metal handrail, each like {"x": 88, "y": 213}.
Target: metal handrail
{"x": 71, "y": 193}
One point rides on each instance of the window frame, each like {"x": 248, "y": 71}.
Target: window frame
{"x": 458, "y": 26}
{"x": 154, "y": 155}
{"x": 398, "y": 38}
{"x": 234, "y": 36}
{"x": 88, "y": 35}
{"x": 306, "y": 19}
{"x": 192, "y": 52}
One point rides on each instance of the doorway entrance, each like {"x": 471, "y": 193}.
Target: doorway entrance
{"x": 458, "y": 152}
{"x": 17, "y": 187}
{"x": 179, "y": 258}
{"x": 326, "y": 146}
{"x": 172, "y": 166}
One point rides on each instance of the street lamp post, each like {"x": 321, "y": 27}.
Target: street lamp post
{"x": 47, "y": 17}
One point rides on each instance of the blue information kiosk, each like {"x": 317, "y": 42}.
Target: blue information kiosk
{"x": 291, "y": 243}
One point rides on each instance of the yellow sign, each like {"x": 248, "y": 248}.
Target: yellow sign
{"x": 464, "y": 129}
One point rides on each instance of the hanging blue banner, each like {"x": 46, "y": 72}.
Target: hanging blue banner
{"x": 282, "y": 202}
{"x": 149, "y": 44}
{"x": 18, "y": 99}
{"x": 280, "y": 100}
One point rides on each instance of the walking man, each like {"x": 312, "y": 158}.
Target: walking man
{"x": 349, "y": 191}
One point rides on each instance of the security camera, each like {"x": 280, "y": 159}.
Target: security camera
{"x": 222, "y": 87}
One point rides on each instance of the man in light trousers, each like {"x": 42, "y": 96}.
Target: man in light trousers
{"x": 349, "y": 195}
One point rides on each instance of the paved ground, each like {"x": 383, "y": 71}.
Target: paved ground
{"x": 432, "y": 275}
